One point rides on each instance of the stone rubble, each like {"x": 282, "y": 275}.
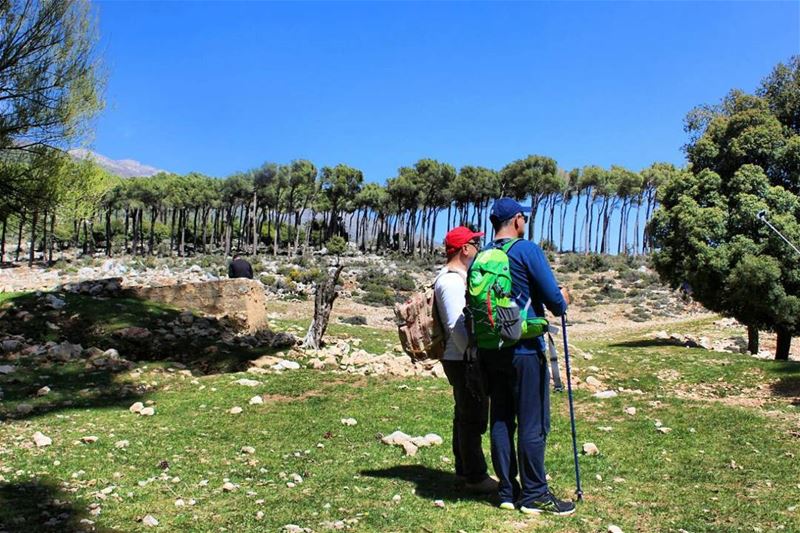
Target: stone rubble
{"x": 411, "y": 444}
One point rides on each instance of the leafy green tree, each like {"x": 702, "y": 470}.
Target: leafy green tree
{"x": 534, "y": 177}
{"x": 707, "y": 229}
{"x": 340, "y": 184}
{"x": 49, "y": 81}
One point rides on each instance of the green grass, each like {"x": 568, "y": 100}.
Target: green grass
{"x": 665, "y": 482}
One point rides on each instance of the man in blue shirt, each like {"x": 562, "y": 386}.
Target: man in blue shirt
{"x": 518, "y": 376}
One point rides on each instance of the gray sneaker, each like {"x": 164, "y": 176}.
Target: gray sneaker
{"x": 549, "y": 504}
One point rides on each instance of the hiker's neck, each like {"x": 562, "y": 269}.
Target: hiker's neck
{"x": 457, "y": 263}
{"x": 509, "y": 232}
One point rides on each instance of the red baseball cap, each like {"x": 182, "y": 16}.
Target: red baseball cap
{"x": 458, "y": 237}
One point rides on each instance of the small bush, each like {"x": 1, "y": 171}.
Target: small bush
{"x": 354, "y": 320}
{"x": 305, "y": 276}
{"x": 402, "y": 282}
{"x": 268, "y": 280}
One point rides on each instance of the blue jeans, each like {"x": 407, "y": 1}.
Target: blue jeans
{"x": 519, "y": 394}
{"x": 469, "y": 424}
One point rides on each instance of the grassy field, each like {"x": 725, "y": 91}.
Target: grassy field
{"x": 728, "y": 464}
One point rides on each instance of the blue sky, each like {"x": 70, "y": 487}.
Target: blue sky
{"x": 221, "y": 87}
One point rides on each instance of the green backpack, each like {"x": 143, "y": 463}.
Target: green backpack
{"x": 495, "y": 318}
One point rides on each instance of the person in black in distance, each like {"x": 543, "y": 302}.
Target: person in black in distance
{"x": 240, "y": 268}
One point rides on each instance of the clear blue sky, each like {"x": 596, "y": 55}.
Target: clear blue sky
{"x": 221, "y": 87}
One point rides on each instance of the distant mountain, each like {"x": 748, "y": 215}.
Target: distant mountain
{"x": 124, "y": 168}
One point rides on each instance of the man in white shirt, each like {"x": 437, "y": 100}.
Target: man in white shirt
{"x": 471, "y": 408}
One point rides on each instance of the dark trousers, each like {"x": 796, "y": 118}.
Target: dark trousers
{"x": 519, "y": 393}
{"x": 469, "y": 424}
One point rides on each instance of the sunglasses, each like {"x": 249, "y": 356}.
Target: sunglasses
{"x": 524, "y": 217}
{"x": 476, "y": 244}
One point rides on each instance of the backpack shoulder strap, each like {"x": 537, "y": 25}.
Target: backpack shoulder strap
{"x": 507, "y": 246}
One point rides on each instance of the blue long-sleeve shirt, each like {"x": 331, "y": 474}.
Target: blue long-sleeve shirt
{"x": 534, "y": 286}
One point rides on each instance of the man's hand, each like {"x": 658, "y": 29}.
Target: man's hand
{"x": 567, "y": 296}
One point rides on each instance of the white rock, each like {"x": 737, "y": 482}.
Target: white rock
{"x": 614, "y": 529}
{"x": 593, "y": 382}
{"x": 438, "y": 503}
{"x": 122, "y": 444}
{"x": 150, "y": 521}
{"x": 349, "y": 421}
{"x": 41, "y": 440}
{"x": 410, "y": 448}
{"x": 663, "y": 429}
{"x": 434, "y": 439}
{"x": 147, "y": 411}
{"x": 44, "y": 391}
{"x": 256, "y": 400}
{"x": 260, "y": 515}
{"x": 248, "y": 450}
{"x": 55, "y": 302}
{"x": 180, "y": 503}
{"x": 603, "y": 395}
{"x": 235, "y": 410}
{"x": 630, "y": 411}
{"x": 90, "y": 439}
{"x": 396, "y": 437}
{"x": 136, "y": 408}
{"x": 228, "y": 487}
{"x": 248, "y": 382}
{"x": 289, "y": 365}
{"x": 396, "y": 498}
{"x": 590, "y": 448}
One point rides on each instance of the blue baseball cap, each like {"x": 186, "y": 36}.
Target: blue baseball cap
{"x": 505, "y": 208}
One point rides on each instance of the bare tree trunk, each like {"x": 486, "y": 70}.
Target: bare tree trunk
{"x": 182, "y": 229}
{"x": 52, "y": 240}
{"x": 19, "y": 235}
{"x": 45, "y": 236}
{"x": 784, "y": 343}
{"x": 33, "y": 237}
{"x": 3, "y": 241}
{"x": 227, "y": 231}
{"x": 108, "y": 233}
{"x": 752, "y": 339}
{"x": 323, "y": 304}
{"x": 125, "y": 245}
{"x": 255, "y": 222}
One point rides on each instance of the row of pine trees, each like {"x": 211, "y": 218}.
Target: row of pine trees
{"x": 296, "y": 207}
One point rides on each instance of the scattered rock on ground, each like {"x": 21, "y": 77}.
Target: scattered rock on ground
{"x": 603, "y": 395}
{"x": 590, "y": 448}
{"x": 41, "y": 440}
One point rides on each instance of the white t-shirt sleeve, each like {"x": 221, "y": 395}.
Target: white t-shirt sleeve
{"x": 450, "y": 302}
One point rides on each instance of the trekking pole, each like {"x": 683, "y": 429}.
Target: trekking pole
{"x": 762, "y": 216}
{"x": 578, "y": 491}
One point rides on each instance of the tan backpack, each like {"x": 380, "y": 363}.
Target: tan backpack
{"x": 418, "y": 325}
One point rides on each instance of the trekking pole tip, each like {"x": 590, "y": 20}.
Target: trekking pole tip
{"x": 579, "y": 495}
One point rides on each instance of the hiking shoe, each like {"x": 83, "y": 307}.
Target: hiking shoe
{"x": 507, "y": 506}
{"x": 487, "y": 486}
{"x": 549, "y": 504}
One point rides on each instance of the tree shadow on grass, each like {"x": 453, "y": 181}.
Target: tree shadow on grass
{"x": 788, "y": 385}
{"x": 72, "y": 387}
{"x": 647, "y": 343}
{"x": 431, "y": 483}
{"x": 37, "y": 506}
{"x": 140, "y": 330}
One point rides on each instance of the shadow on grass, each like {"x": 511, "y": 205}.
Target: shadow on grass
{"x": 140, "y": 330}
{"x": 646, "y": 343}
{"x": 72, "y": 387}
{"x": 27, "y": 507}
{"x": 430, "y": 483}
